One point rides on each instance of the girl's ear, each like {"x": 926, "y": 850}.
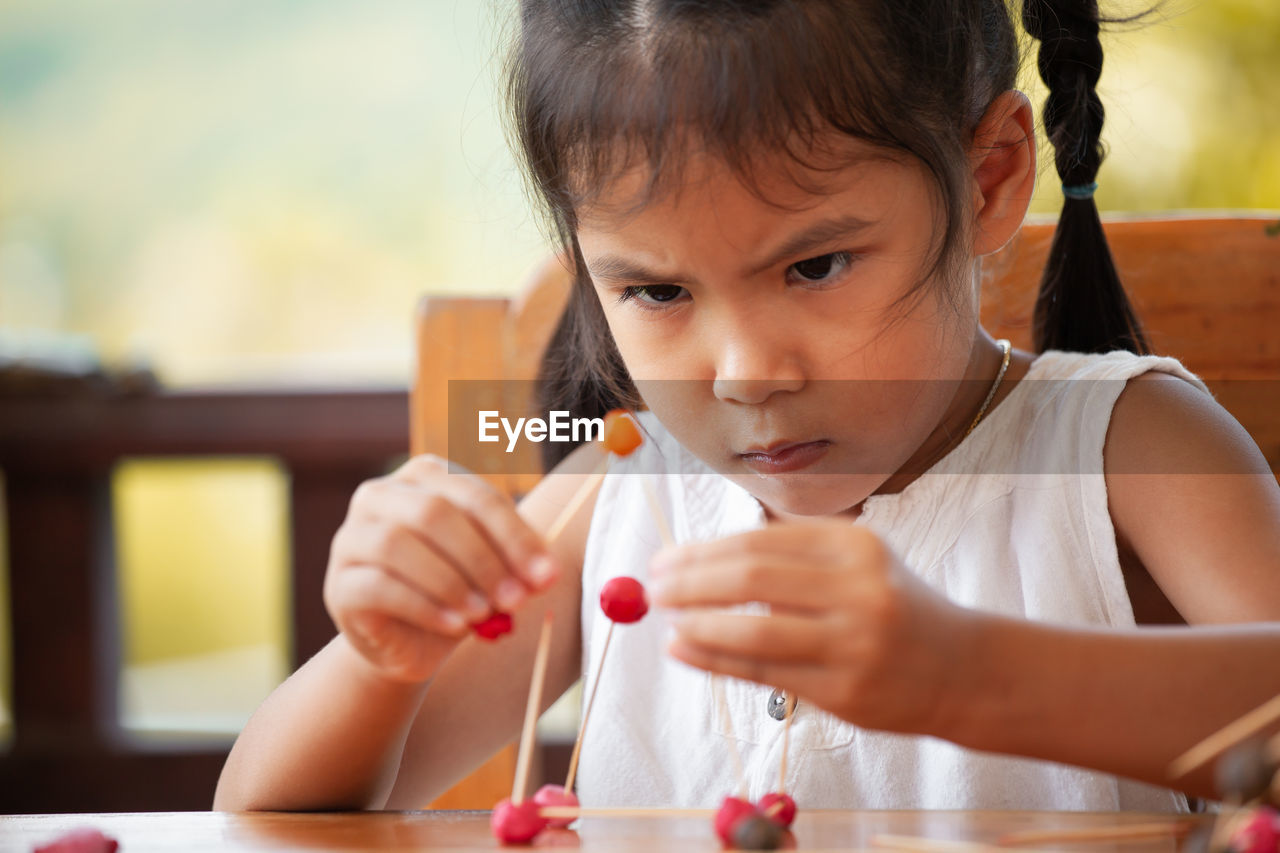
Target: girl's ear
{"x": 1003, "y": 160}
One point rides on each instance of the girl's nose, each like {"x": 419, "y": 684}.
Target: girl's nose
{"x": 751, "y": 368}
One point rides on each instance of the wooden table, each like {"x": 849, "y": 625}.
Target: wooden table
{"x": 444, "y": 831}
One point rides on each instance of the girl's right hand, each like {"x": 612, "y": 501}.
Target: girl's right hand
{"x": 421, "y": 556}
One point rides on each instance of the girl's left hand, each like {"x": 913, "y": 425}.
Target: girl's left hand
{"x": 850, "y": 629}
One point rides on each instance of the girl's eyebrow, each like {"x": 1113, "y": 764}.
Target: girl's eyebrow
{"x": 812, "y": 238}
{"x": 617, "y": 268}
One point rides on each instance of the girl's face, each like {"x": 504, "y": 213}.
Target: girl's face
{"x": 780, "y": 341}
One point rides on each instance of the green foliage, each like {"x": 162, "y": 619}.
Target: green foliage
{"x": 215, "y": 187}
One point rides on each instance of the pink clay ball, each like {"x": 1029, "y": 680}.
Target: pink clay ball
{"x": 516, "y": 824}
{"x": 784, "y": 814}
{"x": 556, "y": 795}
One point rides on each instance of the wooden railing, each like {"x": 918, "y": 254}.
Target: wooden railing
{"x": 57, "y": 454}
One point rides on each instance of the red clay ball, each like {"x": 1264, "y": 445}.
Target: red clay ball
{"x": 83, "y": 840}
{"x": 1260, "y": 833}
{"x": 783, "y": 813}
{"x": 493, "y": 627}
{"x": 732, "y": 810}
{"x": 623, "y": 600}
{"x": 621, "y": 434}
{"x": 516, "y": 824}
{"x": 556, "y": 795}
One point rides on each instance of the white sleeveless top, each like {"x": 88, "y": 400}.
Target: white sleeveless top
{"x": 1030, "y": 536}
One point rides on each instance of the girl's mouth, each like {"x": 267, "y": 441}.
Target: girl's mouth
{"x": 782, "y": 457}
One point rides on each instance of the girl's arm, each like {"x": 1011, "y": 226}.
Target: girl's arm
{"x": 324, "y": 739}
{"x": 1124, "y": 702}
{"x": 1192, "y": 496}
{"x": 334, "y": 735}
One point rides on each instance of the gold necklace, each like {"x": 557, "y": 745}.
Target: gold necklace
{"x": 1007, "y": 348}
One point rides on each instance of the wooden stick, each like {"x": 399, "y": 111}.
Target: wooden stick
{"x": 586, "y": 713}
{"x": 1225, "y": 738}
{"x": 1275, "y": 780}
{"x": 656, "y": 508}
{"x": 665, "y": 533}
{"x": 786, "y": 743}
{"x": 1120, "y": 832}
{"x": 1225, "y": 825}
{"x": 727, "y": 721}
{"x": 529, "y": 735}
{"x": 577, "y": 812}
{"x": 579, "y": 498}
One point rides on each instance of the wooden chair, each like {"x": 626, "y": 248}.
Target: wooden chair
{"x": 1207, "y": 290}
{"x": 482, "y": 338}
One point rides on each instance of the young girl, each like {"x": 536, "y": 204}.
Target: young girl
{"x": 776, "y": 214}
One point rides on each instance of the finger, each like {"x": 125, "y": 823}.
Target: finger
{"x": 724, "y": 581}
{"x": 777, "y": 638}
{"x": 494, "y": 516}
{"x": 424, "y": 466}
{"x": 788, "y": 676}
{"x": 825, "y": 539}
{"x": 468, "y": 548}
{"x": 355, "y": 589}
{"x": 523, "y": 550}
{"x": 404, "y": 553}
{"x": 458, "y": 538}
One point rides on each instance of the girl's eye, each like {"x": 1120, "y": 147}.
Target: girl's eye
{"x": 652, "y": 295}
{"x": 822, "y": 267}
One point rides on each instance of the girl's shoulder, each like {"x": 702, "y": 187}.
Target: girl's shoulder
{"x": 1120, "y": 365}
{"x": 1203, "y": 516}
{"x": 1063, "y": 407}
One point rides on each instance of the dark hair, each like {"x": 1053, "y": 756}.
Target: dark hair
{"x": 1081, "y": 305}
{"x": 596, "y": 86}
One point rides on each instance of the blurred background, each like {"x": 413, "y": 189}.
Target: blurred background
{"x": 254, "y": 194}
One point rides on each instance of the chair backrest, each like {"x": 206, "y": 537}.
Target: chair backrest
{"x": 482, "y": 338}
{"x": 492, "y": 343}
{"x": 1207, "y": 291}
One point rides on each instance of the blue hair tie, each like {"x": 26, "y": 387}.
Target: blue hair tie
{"x": 1080, "y": 191}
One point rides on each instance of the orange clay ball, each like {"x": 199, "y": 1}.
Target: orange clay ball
{"x": 621, "y": 435}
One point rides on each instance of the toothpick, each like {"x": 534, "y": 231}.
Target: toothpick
{"x": 529, "y": 734}
{"x": 1121, "y": 832}
{"x": 663, "y": 531}
{"x": 1225, "y": 738}
{"x": 1226, "y": 824}
{"x": 586, "y": 713}
{"x": 727, "y": 721}
{"x": 574, "y": 812}
{"x": 656, "y": 509}
{"x": 579, "y": 498}
{"x": 557, "y": 527}
{"x": 786, "y": 743}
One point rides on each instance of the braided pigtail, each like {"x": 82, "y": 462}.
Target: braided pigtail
{"x": 1082, "y": 305}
